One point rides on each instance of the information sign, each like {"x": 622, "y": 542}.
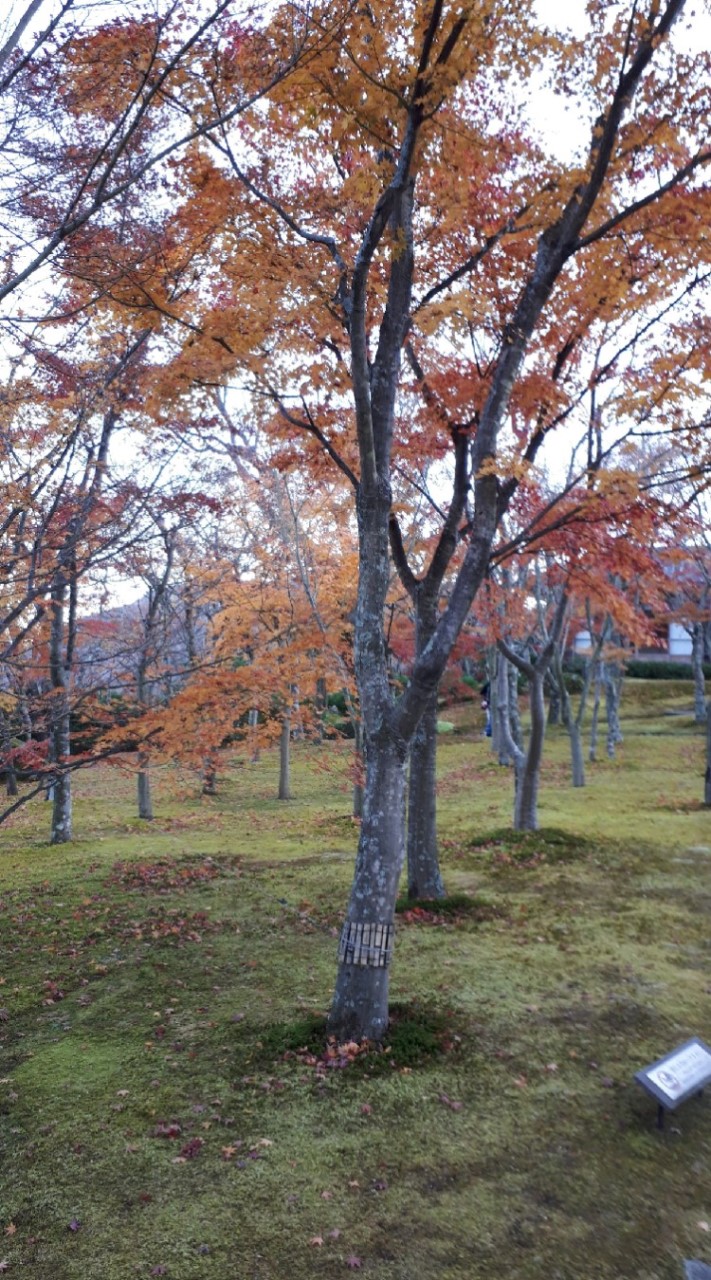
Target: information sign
{"x": 677, "y": 1076}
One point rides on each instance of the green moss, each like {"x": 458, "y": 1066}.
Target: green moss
{"x": 502, "y": 1133}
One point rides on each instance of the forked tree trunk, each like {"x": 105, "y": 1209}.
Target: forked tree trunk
{"x": 285, "y": 760}
{"x": 360, "y": 1002}
{"x": 528, "y": 763}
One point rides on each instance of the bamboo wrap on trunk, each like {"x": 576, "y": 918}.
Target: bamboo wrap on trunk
{"x": 366, "y": 944}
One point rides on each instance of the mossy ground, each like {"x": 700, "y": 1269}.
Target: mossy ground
{"x": 158, "y": 1115}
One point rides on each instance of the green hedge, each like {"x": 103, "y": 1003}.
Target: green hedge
{"x": 649, "y": 669}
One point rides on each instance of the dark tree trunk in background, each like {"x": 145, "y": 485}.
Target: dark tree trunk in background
{"x": 59, "y": 715}
{"x": 697, "y": 666}
{"x": 10, "y": 770}
{"x": 597, "y": 685}
{"x": 614, "y": 676}
{"x": 285, "y": 759}
{"x": 143, "y": 789}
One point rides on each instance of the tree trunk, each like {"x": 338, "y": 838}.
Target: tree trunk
{"x": 501, "y": 725}
{"x": 553, "y": 700}
{"x": 424, "y": 878}
{"x": 613, "y": 692}
{"x": 253, "y": 723}
{"x": 10, "y": 770}
{"x": 592, "y": 752}
{"x": 697, "y": 661}
{"x": 145, "y": 801}
{"x": 320, "y": 706}
{"x": 707, "y": 787}
{"x": 576, "y": 754}
{"x": 209, "y": 777}
{"x": 61, "y": 831}
{"x": 528, "y": 777}
{"x": 285, "y": 760}
{"x": 514, "y": 713}
{"x": 360, "y": 1001}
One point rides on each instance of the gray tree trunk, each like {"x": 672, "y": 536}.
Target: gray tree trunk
{"x": 577, "y": 759}
{"x": 514, "y": 713}
{"x": 360, "y": 999}
{"x": 592, "y": 752}
{"x": 10, "y": 770}
{"x": 143, "y": 788}
{"x": 697, "y": 666}
{"x": 253, "y": 720}
{"x": 501, "y": 722}
{"x": 614, "y": 676}
{"x": 424, "y": 878}
{"x": 528, "y": 777}
{"x": 209, "y": 777}
{"x": 553, "y": 699}
{"x": 285, "y": 760}
{"x": 61, "y": 830}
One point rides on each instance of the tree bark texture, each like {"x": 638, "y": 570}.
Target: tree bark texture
{"x": 697, "y": 666}
{"x": 528, "y": 777}
{"x": 614, "y": 676}
{"x": 360, "y": 1001}
{"x": 143, "y": 789}
{"x": 61, "y": 830}
{"x": 10, "y": 770}
{"x": 285, "y": 759}
{"x": 424, "y": 878}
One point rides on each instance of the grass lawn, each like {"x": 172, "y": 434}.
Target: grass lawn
{"x": 166, "y": 1107}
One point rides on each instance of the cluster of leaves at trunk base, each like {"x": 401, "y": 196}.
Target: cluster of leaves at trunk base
{"x": 456, "y": 908}
{"x": 414, "y": 1037}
